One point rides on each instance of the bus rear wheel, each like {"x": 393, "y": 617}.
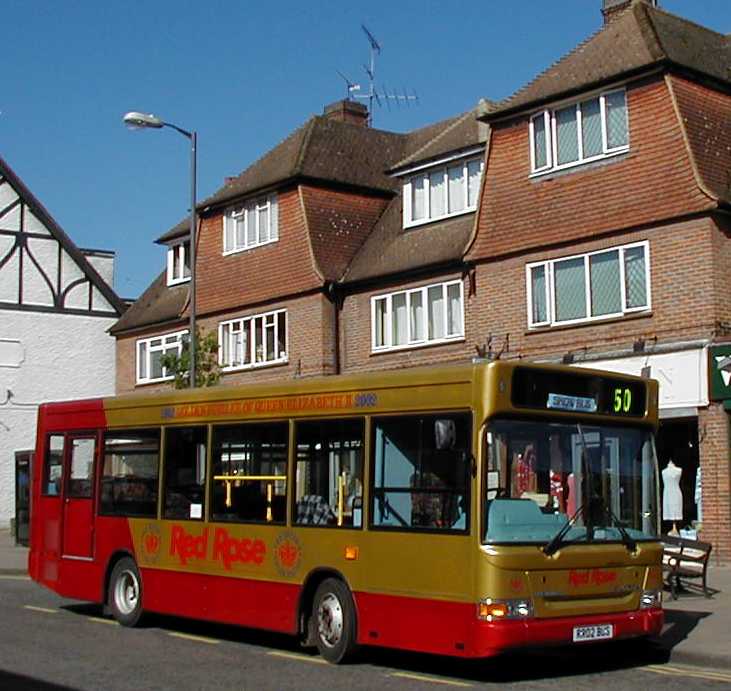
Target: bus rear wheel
{"x": 125, "y": 592}
{"x": 333, "y": 618}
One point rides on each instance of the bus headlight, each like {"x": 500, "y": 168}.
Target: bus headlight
{"x": 651, "y": 599}
{"x": 489, "y": 609}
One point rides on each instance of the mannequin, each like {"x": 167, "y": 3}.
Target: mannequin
{"x": 672, "y": 497}
{"x": 699, "y": 495}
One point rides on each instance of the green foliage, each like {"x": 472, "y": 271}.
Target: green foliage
{"x": 207, "y": 369}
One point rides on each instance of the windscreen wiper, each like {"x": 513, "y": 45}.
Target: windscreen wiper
{"x": 557, "y": 540}
{"x": 627, "y": 541}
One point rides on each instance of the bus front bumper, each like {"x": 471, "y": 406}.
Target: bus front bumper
{"x": 492, "y": 638}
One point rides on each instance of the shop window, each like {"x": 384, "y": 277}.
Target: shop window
{"x": 250, "y": 473}
{"x": 329, "y": 479}
{"x": 185, "y": 472}
{"x": 421, "y": 472}
{"x": 130, "y": 473}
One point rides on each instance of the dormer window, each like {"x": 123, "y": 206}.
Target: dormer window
{"x": 254, "y": 224}
{"x": 178, "y": 263}
{"x": 579, "y": 133}
{"x": 440, "y": 192}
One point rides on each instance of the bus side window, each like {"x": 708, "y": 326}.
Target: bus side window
{"x": 421, "y": 472}
{"x": 130, "y": 473}
{"x": 53, "y": 467}
{"x": 329, "y": 476}
{"x": 185, "y": 472}
{"x": 250, "y": 473}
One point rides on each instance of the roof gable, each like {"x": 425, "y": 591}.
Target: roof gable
{"x": 42, "y": 269}
{"x": 639, "y": 38}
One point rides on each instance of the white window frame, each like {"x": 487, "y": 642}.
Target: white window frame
{"x": 549, "y": 117}
{"x": 180, "y": 251}
{"x": 239, "y": 323}
{"x": 551, "y": 291}
{"x": 425, "y": 340}
{"x": 269, "y": 203}
{"x": 164, "y": 345}
{"x": 426, "y": 172}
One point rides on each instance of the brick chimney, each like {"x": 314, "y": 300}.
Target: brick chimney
{"x": 347, "y": 111}
{"x": 612, "y": 8}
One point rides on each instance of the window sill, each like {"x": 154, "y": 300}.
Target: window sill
{"x": 178, "y": 281}
{"x": 239, "y": 250}
{"x": 258, "y": 365}
{"x": 148, "y": 382}
{"x": 427, "y": 221}
{"x": 418, "y": 346}
{"x": 579, "y": 165}
{"x": 593, "y": 322}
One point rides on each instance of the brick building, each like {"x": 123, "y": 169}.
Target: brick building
{"x": 584, "y": 220}
{"x": 606, "y": 209}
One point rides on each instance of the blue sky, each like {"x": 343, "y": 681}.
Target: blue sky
{"x": 243, "y": 75}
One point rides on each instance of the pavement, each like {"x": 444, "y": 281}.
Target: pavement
{"x": 697, "y": 629}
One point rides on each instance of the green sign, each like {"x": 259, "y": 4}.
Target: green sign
{"x": 719, "y": 362}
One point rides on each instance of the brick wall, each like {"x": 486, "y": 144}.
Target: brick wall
{"x": 356, "y": 340}
{"x": 713, "y": 431}
{"x": 653, "y": 181}
{"x": 681, "y": 282}
{"x": 261, "y": 273}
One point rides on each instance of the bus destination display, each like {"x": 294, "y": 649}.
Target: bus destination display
{"x": 580, "y": 393}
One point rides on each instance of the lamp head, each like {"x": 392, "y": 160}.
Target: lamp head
{"x": 135, "y": 120}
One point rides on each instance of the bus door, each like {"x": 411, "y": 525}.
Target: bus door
{"x": 78, "y": 496}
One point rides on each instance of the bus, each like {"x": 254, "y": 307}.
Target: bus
{"x": 461, "y": 510}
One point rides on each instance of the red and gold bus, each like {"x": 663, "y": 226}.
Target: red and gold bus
{"x": 460, "y": 511}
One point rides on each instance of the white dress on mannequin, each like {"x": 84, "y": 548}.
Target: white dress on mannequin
{"x": 672, "y": 497}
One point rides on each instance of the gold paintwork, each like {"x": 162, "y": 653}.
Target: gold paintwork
{"x": 451, "y": 567}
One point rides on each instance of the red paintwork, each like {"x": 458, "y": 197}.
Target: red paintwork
{"x": 451, "y": 628}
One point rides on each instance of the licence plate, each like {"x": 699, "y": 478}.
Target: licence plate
{"x": 593, "y": 633}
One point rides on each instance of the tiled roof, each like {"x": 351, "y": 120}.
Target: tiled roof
{"x": 638, "y": 38}
{"x": 157, "y": 305}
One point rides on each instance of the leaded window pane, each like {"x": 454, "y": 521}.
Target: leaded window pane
{"x": 591, "y": 128}
{"x": 264, "y": 224}
{"x": 437, "y": 196}
{"x": 400, "y": 321}
{"x": 634, "y": 276}
{"x": 616, "y": 111}
{"x": 455, "y": 175}
{"x": 435, "y": 301}
{"x": 273, "y": 219}
{"x": 142, "y": 361}
{"x": 538, "y": 294}
{"x": 454, "y": 309}
{"x": 540, "y": 155}
{"x": 570, "y": 289}
{"x": 473, "y": 188}
{"x": 567, "y": 135}
{"x": 417, "y": 316}
{"x": 418, "y": 197}
{"x": 156, "y": 364}
{"x": 251, "y": 226}
{"x": 228, "y": 241}
{"x": 606, "y": 295}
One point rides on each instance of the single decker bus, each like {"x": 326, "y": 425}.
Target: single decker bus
{"x": 459, "y": 510}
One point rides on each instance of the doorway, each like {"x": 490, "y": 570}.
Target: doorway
{"x": 23, "y": 460}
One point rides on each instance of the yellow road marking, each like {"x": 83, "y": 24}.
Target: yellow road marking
{"x": 191, "y": 637}
{"x": 7, "y": 577}
{"x": 99, "y": 620}
{"x": 300, "y": 658}
{"x": 433, "y": 680}
{"x": 696, "y": 672}
{"x": 41, "y": 609}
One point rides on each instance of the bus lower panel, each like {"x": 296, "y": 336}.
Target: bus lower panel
{"x": 424, "y": 625}
{"x": 239, "y": 601}
{"x": 492, "y": 638}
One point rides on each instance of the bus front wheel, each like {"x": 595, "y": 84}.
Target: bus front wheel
{"x": 333, "y": 616}
{"x": 125, "y": 592}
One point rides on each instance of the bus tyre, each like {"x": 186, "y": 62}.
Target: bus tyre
{"x": 333, "y": 618}
{"x": 125, "y": 592}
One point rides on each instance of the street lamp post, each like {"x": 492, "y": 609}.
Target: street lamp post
{"x": 136, "y": 120}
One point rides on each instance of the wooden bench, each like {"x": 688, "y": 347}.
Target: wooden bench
{"x": 684, "y": 559}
